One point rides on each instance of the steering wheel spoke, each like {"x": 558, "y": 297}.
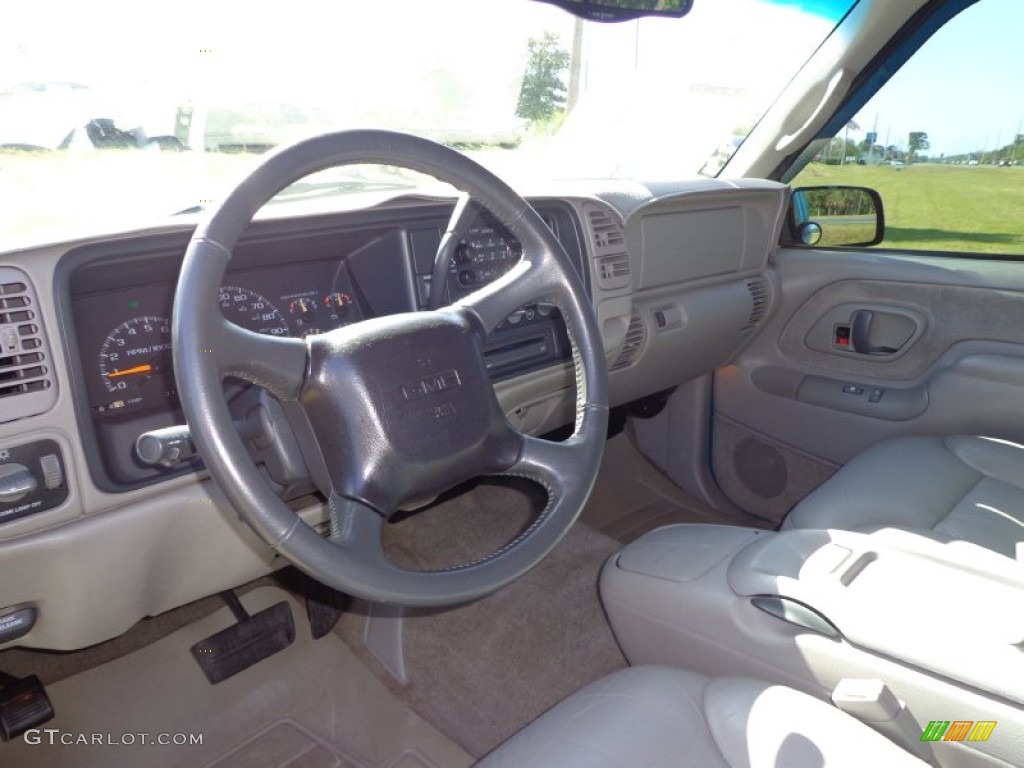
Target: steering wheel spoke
{"x": 276, "y": 363}
{"x": 356, "y": 528}
{"x": 555, "y": 464}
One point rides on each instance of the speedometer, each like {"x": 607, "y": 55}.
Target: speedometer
{"x": 252, "y": 311}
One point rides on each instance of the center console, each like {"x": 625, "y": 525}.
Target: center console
{"x": 940, "y": 624}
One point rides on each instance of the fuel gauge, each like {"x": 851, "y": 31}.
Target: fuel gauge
{"x": 340, "y": 308}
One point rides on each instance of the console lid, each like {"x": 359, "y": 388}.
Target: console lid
{"x": 951, "y": 608}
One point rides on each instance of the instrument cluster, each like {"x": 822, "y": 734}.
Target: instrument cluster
{"x": 126, "y": 335}
{"x": 287, "y": 277}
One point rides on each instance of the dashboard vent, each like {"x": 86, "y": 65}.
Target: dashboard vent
{"x": 758, "y": 288}
{"x": 611, "y": 260}
{"x": 632, "y": 346}
{"x": 606, "y": 232}
{"x": 614, "y": 267}
{"x": 26, "y": 383}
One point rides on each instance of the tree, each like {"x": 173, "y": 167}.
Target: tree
{"x": 917, "y": 141}
{"x": 543, "y": 93}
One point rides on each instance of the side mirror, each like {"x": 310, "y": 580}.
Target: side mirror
{"x": 836, "y": 216}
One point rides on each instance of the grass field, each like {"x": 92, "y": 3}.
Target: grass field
{"x": 978, "y": 209}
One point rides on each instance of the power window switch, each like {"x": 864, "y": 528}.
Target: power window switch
{"x": 853, "y": 389}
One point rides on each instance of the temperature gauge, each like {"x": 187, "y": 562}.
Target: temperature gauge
{"x": 304, "y": 309}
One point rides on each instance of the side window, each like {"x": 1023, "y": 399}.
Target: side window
{"x": 943, "y": 140}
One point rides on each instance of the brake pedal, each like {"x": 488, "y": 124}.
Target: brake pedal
{"x": 252, "y": 639}
{"x": 23, "y": 705}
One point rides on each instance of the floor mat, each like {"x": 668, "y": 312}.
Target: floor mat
{"x": 482, "y": 671}
{"x": 313, "y": 705}
{"x": 631, "y": 497}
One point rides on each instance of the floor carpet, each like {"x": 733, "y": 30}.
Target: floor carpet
{"x": 631, "y": 497}
{"x": 313, "y": 705}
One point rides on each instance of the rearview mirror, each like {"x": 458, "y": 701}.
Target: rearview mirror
{"x": 836, "y": 216}
{"x": 622, "y": 10}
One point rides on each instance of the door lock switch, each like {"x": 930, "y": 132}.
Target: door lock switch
{"x": 841, "y": 337}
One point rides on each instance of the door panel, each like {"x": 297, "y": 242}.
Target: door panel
{"x": 944, "y": 354}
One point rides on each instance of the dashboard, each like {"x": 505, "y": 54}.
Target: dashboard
{"x": 95, "y": 535}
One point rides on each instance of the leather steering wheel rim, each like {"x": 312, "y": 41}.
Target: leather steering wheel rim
{"x": 330, "y": 375}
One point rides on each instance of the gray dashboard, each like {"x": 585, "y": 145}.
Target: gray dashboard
{"x": 123, "y": 540}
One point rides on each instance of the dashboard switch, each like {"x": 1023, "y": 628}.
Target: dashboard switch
{"x": 168, "y": 446}
{"x": 53, "y": 475}
{"x": 16, "y": 482}
{"x": 32, "y": 479}
{"x": 165, "y": 447}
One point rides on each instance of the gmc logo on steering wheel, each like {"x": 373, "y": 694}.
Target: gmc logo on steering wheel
{"x": 436, "y": 382}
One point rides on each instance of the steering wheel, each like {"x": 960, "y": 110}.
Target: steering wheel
{"x": 400, "y": 407}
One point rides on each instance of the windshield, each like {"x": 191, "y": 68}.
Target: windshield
{"x": 106, "y": 120}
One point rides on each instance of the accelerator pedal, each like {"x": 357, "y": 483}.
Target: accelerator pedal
{"x": 241, "y": 645}
{"x": 23, "y": 705}
{"x": 324, "y": 606}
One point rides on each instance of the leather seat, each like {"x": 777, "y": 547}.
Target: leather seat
{"x": 950, "y": 488}
{"x": 654, "y": 717}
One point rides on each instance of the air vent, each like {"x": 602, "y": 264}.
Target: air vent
{"x": 26, "y": 378}
{"x": 606, "y": 231}
{"x": 613, "y": 268}
{"x": 759, "y": 302}
{"x": 611, "y": 260}
{"x": 636, "y": 336}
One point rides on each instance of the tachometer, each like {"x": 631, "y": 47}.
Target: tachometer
{"x": 252, "y": 311}
{"x": 135, "y": 353}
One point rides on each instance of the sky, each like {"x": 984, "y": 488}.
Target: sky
{"x": 964, "y": 88}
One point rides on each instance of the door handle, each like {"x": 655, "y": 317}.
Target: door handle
{"x": 860, "y": 329}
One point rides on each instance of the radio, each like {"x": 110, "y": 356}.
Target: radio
{"x": 484, "y": 255}
{"x": 532, "y": 336}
